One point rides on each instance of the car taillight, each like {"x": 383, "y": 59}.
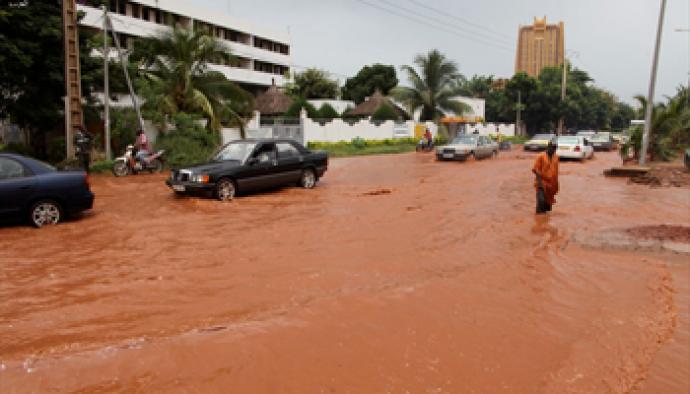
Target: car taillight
{"x": 577, "y": 148}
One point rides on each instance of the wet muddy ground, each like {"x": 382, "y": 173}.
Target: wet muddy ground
{"x": 396, "y": 274}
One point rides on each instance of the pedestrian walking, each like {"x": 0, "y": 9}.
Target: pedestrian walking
{"x": 83, "y": 144}
{"x": 546, "y": 170}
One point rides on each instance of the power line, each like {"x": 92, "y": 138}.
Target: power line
{"x": 423, "y": 22}
{"x": 453, "y": 26}
{"x": 467, "y": 21}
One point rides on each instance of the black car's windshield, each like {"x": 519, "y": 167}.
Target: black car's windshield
{"x": 236, "y": 151}
{"x": 464, "y": 139}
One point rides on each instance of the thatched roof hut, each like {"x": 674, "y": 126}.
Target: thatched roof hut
{"x": 273, "y": 102}
{"x": 372, "y": 104}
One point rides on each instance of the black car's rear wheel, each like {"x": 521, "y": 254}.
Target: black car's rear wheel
{"x": 45, "y": 212}
{"x": 225, "y": 190}
{"x": 308, "y": 179}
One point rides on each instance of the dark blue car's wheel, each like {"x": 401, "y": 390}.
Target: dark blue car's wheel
{"x": 45, "y": 212}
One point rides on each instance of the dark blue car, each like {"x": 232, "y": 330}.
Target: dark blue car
{"x": 37, "y": 191}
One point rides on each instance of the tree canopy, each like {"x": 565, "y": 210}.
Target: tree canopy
{"x": 313, "y": 84}
{"x": 434, "y": 84}
{"x": 368, "y": 80}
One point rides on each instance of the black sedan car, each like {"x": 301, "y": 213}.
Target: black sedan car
{"x": 251, "y": 165}
{"x": 35, "y": 190}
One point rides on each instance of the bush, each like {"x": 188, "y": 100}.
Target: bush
{"x": 56, "y": 149}
{"x": 123, "y": 128}
{"x": 101, "y": 166}
{"x": 358, "y": 142}
{"x": 385, "y": 112}
{"x": 327, "y": 112}
{"x": 296, "y": 107}
{"x": 187, "y": 143}
{"x": 20, "y": 149}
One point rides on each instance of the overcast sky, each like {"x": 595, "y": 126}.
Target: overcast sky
{"x": 612, "y": 39}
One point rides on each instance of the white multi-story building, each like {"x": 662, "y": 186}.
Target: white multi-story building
{"x": 263, "y": 55}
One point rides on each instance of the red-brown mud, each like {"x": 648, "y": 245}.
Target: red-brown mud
{"x": 448, "y": 283}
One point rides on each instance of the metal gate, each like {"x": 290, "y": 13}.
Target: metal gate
{"x": 282, "y": 128}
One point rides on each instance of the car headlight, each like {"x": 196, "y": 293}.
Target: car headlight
{"x": 200, "y": 178}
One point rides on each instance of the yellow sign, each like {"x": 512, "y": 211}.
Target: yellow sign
{"x": 419, "y": 130}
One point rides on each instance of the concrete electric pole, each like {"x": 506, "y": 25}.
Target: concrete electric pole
{"x": 564, "y": 83}
{"x": 73, "y": 110}
{"x": 652, "y": 86}
{"x": 106, "y": 86}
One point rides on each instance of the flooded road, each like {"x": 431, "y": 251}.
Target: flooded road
{"x": 396, "y": 274}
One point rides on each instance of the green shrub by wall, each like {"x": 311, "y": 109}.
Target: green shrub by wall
{"x": 188, "y": 142}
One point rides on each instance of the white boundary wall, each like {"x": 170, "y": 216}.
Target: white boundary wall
{"x": 338, "y": 130}
{"x": 507, "y": 129}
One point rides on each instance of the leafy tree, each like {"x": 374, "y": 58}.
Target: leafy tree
{"x": 313, "y": 84}
{"x": 32, "y": 67}
{"x": 368, "y": 80}
{"x": 385, "y": 112}
{"x": 622, "y": 115}
{"x": 327, "y": 112}
{"x": 434, "y": 85}
{"x": 295, "y": 108}
{"x": 177, "y": 77}
{"x": 478, "y": 86}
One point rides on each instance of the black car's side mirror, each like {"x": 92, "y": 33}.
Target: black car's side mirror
{"x": 252, "y": 161}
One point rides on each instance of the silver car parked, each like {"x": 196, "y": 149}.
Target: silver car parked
{"x": 464, "y": 146}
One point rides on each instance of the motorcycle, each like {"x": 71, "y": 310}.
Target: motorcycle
{"x": 152, "y": 163}
{"x": 424, "y": 146}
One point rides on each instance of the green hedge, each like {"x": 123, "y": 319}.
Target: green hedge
{"x": 187, "y": 143}
{"x": 359, "y": 146}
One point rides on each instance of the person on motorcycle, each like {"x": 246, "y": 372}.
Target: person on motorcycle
{"x": 429, "y": 138}
{"x": 142, "y": 147}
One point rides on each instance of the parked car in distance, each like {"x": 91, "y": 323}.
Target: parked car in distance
{"x": 585, "y": 133}
{"x": 538, "y": 142}
{"x": 40, "y": 193}
{"x": 574, "y": 147}
{"x": 602, "y": 141}
{"x": 464, "y": 146}
{"x": 251, "y": 165}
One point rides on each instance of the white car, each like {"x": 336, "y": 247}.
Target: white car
{"x": 574, "y": 147}
{"x": 464, "y": 146}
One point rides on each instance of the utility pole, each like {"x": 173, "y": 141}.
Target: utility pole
{"x": 652, "y": 86}
{"x": 106, "y": 85}
{"x": 73, "y": 110}
{"x": 518, "y": 121}
{"x": 123, "y": 63}
{"x": 564, "y": 82}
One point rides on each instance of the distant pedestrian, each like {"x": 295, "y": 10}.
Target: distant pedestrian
{"x": 83, "y": 144}
{"x": 428, "y": 137}
{"x": 546, "y": 170}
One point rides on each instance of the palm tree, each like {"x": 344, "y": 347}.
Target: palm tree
{"x": 670, "y": 126}
{"x": 177, "y": 77}
{"x": 433, "y": 87}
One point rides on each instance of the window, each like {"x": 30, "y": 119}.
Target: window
{"x": 136, "y": 11}
{"x": 145, "y": 13}
{"x": 11, "y": 169}
{"x": 286, "y": 149}
{"x": 266, "y": 153}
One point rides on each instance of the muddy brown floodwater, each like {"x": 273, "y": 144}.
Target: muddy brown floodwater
{"x": 396, "y": 274}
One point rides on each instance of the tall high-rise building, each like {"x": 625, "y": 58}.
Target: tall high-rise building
{"x": 539, "y": 45}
